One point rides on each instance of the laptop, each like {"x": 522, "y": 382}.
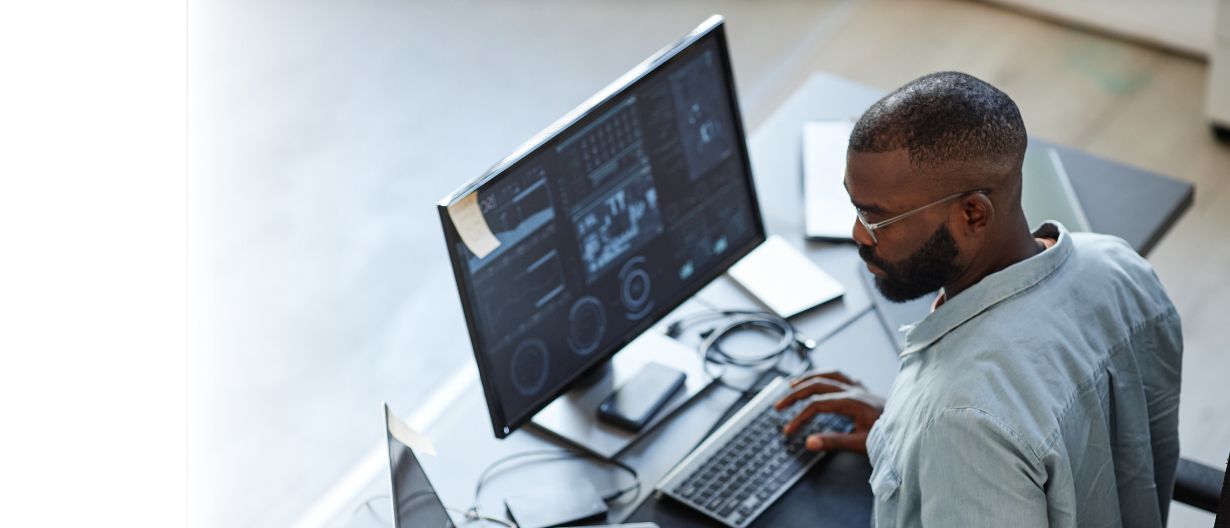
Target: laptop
{"x": 415, "y": 503}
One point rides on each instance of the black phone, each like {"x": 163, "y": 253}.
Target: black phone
{"x": 636, "y": 402}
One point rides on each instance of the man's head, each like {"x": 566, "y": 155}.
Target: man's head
{"x": 940, "y": 135}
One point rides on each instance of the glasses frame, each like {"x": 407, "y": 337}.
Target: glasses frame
{"x": 871, "y": 227}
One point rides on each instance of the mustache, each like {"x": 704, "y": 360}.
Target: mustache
{"x": 867, "y": 253}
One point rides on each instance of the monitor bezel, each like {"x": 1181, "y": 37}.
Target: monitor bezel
{"x": 714, "y": 27}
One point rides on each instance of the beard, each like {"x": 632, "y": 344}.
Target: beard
{"x": 925, "y": 271}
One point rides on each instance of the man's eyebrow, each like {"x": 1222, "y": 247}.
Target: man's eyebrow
{"x": 870, "y": 208}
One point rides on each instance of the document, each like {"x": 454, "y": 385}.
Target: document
{"x": 829, "y": 215}
{"x": 784, "y": 279}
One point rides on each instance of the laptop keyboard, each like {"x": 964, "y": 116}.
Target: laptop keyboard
{"x": 755, "y": 466}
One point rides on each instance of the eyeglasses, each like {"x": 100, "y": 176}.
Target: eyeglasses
{"x": 872, "y": 227}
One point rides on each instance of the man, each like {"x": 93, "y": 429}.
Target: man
{"x": 1043, "y": 387}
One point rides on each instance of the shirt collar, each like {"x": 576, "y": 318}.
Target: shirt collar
{"x": 991, "y": 290}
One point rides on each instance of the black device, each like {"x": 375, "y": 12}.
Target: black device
{"x": 635, "y": 402}
{"x": 599, "y": 226}
{"x": 572, "y": 502}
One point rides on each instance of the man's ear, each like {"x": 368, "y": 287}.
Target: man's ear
{"x": 977, "y": 212}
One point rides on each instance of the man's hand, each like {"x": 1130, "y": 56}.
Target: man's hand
{"x": 833, "y": 392}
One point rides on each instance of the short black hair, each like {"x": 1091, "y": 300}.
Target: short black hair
{"x": 945, "y": 117}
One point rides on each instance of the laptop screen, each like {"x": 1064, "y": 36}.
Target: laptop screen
{"x": 415, "y": 503}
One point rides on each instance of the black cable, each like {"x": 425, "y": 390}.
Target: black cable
{"x": 466, "y": 514}
{"x": 712, "y": 353}
{"x": 471, "y": 516}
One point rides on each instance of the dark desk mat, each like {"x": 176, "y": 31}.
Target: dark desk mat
{"x": 834, "y": 492}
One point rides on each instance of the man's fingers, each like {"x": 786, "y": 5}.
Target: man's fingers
{"x": 837, "y": 442}
{"x": 816, "y": 386}
{"x": 824, "y": 403}
{"x": 832, "y": 375}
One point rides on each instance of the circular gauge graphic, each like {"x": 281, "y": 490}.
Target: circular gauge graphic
{"x": 634, "y": 288}
{"x": 586, "y": 325}
{"x": 529, "y": 366}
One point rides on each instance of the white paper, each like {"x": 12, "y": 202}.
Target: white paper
{"x": 784, "y": 279}
{"x": 828, "y": 211}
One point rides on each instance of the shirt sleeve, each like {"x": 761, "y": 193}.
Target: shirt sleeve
{"x": 974, "y": 471}
{"x": 1159, "y": 352}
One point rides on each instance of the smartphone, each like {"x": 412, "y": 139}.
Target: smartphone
{"x": 636, "y": 402}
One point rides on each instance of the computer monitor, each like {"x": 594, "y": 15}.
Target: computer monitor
{"x": 602, "y": 224}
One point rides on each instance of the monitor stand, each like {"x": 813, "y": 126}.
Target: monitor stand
{"x": 573, "y": 416}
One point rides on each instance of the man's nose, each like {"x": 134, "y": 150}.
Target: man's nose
{"x": 860, "y": 234}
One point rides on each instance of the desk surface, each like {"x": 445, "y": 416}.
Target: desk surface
{"x": 1136, "y": 205}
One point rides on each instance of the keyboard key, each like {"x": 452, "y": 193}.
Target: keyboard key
{"x": 743, "y": 493}
{"x": 729, "y": 507}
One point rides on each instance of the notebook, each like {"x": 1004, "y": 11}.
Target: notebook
{"x": 828, "y": 213}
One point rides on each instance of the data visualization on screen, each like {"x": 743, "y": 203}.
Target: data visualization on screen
{"x": 605, "y": 226}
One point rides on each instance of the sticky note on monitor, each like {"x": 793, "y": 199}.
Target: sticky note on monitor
{"x": 784, "y": 279}
{"x": 467, "y": 217}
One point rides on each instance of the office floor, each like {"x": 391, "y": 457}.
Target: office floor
{"x": 322, "y": 133}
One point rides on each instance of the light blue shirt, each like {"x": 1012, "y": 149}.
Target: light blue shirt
{"x": 1045, "y": 395}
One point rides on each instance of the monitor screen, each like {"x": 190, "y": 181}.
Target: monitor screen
{"x": 602, "y": 224}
